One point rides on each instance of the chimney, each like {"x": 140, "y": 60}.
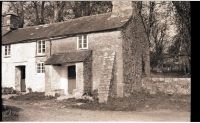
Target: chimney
{"x": 11, "y": 22}
{"x": 122, "y": 9}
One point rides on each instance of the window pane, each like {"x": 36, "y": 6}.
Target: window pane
{"x": 38, "y": 68}
{"x": 39, "y": 42}
{"x": 39, "y": 50}
{"x": 5, "y": 51}
{"x": 85, "y": 45}
{"x": 85, "y": 37}
{"x": 9, "y": 50}
{"x": 80, "y": 37}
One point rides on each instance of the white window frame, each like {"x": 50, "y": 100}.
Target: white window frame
{"x": 7, "y": 50}
{"x": 82, "y": 41}
{"x": 40, "y": 47}
{"x": 40, "y": 67}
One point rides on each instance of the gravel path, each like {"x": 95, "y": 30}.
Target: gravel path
{"x": 50, "y": 111}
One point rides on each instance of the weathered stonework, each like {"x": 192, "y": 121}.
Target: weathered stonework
{"x": 99, "y": 43}
{"x": 79, "y": 80}
{"x": 106, "y": 76}
{"x": 180, "y": 86}
{"x": 92, "y": 66}
{"x": 87, "y": 74}
{"x": 11, "y": 21}
{"x": 134, "y": 46}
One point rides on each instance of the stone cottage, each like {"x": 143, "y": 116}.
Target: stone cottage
{"x": 106, "y": 52}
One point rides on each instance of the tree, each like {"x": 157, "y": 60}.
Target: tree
{"x": 38, "y": 6}
{"x": 156, "y": 23}
{"x": 58, "y": 10}
{"x": 43, "y": 12}
{"x": 184, "y": 27}
{"x": 18, "y": 9}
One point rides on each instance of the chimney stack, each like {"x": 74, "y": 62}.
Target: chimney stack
{"x": 11, "y": 22}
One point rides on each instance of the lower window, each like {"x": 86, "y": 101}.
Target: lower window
{"x": 40, "y": 67}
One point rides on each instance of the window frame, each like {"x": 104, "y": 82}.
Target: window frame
{"x": 40, "y": 68}
{"x": 7, "y": 50}
{"x": 82, "y": 42}
{"x": 40, "y": 49}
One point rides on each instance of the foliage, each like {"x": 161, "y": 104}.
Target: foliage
{"x": 32, "y": 96}
{"x": 167, "y": 26}
{"x": 10, "y": 113}
{"x": 44, "y": 12}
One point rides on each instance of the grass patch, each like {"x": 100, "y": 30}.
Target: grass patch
{"x": 138, "y": 101}
{"x": 10, "y": 113}
{"x": 32, "y": 96}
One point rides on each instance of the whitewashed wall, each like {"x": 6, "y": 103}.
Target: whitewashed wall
{"x": 22, "y": 54}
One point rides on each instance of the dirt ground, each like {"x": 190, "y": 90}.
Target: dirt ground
{"x": 51, "y": 110}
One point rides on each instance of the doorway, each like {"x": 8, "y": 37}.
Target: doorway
{"x": 71, "y": 79}
{"x": 20, "y": 78}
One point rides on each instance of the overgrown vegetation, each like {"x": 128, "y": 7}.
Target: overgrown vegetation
{"x": 7, "y": 90}
{"x": 10, "y": 113}
{"x": 32, "y": 96}
{"x": 140, "y": 100}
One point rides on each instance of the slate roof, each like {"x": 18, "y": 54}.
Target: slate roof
{"x": 4, "y": 31}
{"x": 68, "y": 57}
{"x": 80, "y": 25}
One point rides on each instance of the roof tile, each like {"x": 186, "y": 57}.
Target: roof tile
{"x": 80, "y": 25}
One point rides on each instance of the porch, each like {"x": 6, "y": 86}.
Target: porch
{"x": 68, "y": 74}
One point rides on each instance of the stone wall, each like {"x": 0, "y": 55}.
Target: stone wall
{"x": 106, "y": 83}
{"x": 135, "y": 50}
{"x": 63, "y": 45}
{"x": 87, "y": 74}
{"x": 98, "y": 43}
{"x": 79, "y": 80}
{"x": 181, "y": 86}
{"x": 11, "y": 22}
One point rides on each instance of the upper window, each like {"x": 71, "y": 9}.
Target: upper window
{"x": 40, "y": 67}
{"x": 7, "y": 50}
{"x": 82, "y": 42}
{"x": 41, "y": 47}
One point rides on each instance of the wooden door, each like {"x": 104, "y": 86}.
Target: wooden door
{"x": 71, "y": 79}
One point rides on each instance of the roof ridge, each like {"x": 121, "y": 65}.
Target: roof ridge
{"x": 64, "y": 21}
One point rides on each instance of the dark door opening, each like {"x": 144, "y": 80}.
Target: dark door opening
{"x": 23, "y": 76}
{"x": 71, "y": 79}
{"x": 20, "y": 77}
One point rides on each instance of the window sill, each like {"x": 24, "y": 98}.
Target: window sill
{"x": 7, "y": 56}
{"x": 40, "y": 73}
{"x": 83, "y": 49}
{"x": 41, "y": 55}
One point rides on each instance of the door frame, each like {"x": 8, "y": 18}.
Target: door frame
{"x": 18, "y": 78}
{"x": 71, "y": 78}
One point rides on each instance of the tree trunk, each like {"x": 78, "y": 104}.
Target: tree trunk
{"x": 37, "y": 19}
{"x": 42, "y": 13}
{"x": 58, "y": 11}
